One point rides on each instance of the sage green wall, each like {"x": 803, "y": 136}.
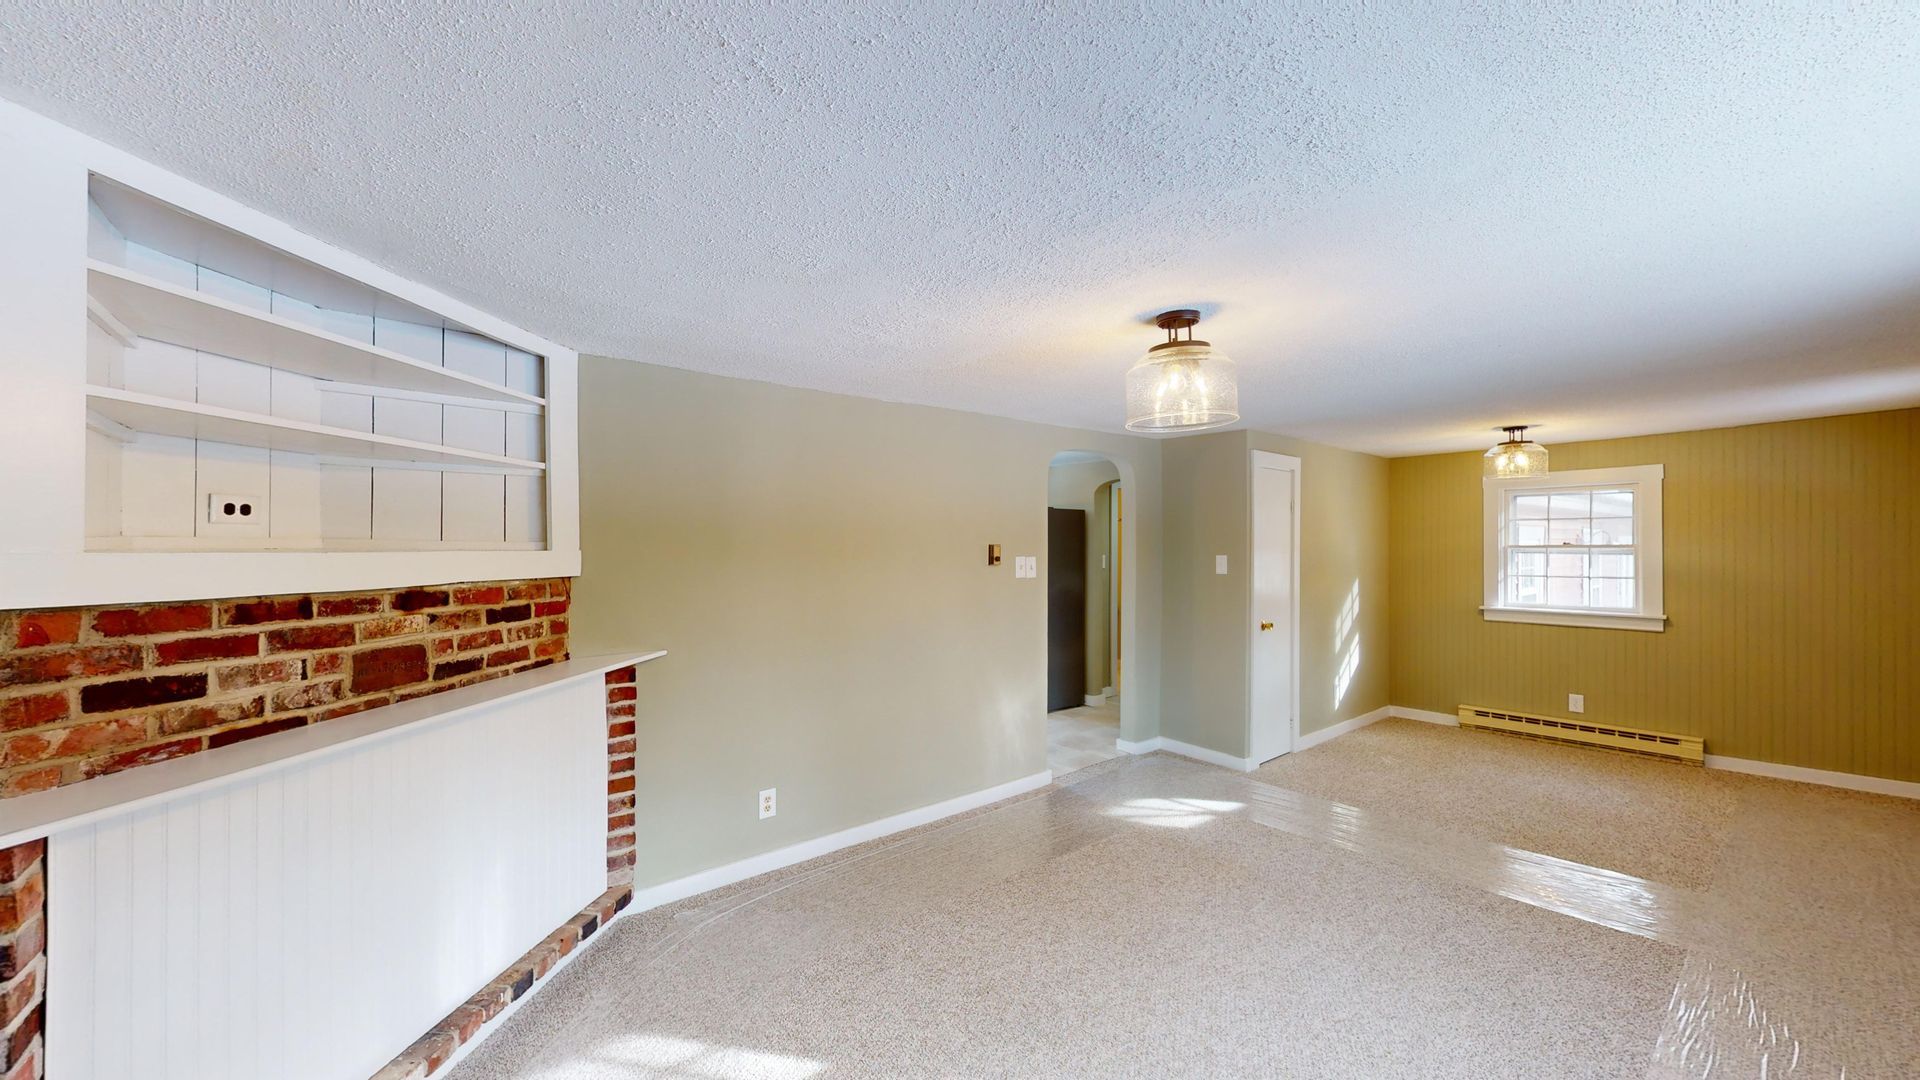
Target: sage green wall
{"x": 1792, "y": 592}
{"x": 1343, "y": 566}
{"x": 816, "y": 566}
{"x": 1083, "y": 486}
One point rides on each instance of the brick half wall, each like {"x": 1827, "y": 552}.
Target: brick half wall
{"x": 89, "y": 691}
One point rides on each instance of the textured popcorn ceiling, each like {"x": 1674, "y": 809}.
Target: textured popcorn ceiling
{"x": 1408, "y": 226}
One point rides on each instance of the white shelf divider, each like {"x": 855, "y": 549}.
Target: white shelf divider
{"x": 155, "y": 309}
{"x": 191, "y": 420}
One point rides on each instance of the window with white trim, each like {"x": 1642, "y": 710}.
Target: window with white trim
{"x": 1576, "y": 549}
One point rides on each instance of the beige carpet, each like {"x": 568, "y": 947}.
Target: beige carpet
{"x": 1355, "y": 911}
{"x": 1652, "y": 819}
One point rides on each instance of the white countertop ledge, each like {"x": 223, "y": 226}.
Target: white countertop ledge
{"x": 43, "y": 813}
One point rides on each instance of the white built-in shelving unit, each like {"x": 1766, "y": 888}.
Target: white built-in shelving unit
{"x": 171, "y": 352}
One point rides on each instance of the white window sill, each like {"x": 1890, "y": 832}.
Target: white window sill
{"x": 1605, "y": 620}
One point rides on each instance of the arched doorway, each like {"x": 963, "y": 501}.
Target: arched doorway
{"x": 1086, "y": 600}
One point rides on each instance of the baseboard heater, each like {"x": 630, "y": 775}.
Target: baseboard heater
{"x": 1661, "y": 744}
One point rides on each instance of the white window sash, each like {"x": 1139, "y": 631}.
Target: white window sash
{"x": 1645, "y": 481}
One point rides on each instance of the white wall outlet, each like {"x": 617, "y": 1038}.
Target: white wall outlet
{"x": 1577, "y": 703}
{"x": 230, "y": 509}
{"x": 767, "y": 803}
{"x": 1219, "y": 564}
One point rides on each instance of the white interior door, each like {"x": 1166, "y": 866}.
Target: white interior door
{"x": 1274, "y": 715}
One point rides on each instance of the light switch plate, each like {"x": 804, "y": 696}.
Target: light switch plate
{"x": 1576, "y": 703}
{"x": 1219, "y": 564}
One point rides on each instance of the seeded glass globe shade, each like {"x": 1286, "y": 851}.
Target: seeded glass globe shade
{"x": 1181, "y": 385}
{"x": 1516, "y": 456}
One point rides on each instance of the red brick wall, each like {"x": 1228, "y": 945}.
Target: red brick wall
{"x": 23, "y": 940}
{"x": 621, "y": 693}
{"x": 90, "y": 691}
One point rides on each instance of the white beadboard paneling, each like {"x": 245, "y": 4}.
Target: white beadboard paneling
{"x": 161, "y": 368}
{"x": 476, "y": 429}
{"x": 293, "y": 483}
{"x": 346, "y": 492}
{"x": 523, "y": 372}
{"x": 351, "y": 411}
{"x": 156, "y": 264}
{"x": 346, "y": 502}
{"x": 103, "y": 485}
{"x": 406, "y": 502}
{"x": 474, "y": 509}
{"x": 311, "y": 922}
{"x": 471, "y": 354}
{"x": 103, "y": 240}
{"x": 526, "y": 509}
{"x": 298, "y": 397}
{"x": 347, "y": 324}
{"x": 156, "y": 486}
{"x": 233, "y": 384}
{"x": 410, "y": 339}
{"x": 182, "y": 935}
{"x": 232, "y": 470}
{"x": 105, "y": 359}
{"x": 526, "y": 495}
{"x": 233, "y": 290}
{"x": 474, "y": 505}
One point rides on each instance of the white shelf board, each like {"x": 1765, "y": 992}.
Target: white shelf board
{"x": 152, "y": 222}
{"x": 29, "y": 817}
{"x": 156, "y": 309}
{"x": 305, "y": 544}
{"x": 191, "y": 420}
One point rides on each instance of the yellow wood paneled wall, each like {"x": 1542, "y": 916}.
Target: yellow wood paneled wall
{"x": 1792, "y": 586}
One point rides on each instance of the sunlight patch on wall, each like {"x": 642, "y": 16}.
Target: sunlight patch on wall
{"x": 1346, "y": 644}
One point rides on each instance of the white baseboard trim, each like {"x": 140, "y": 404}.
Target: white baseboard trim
{"x": 1106, "y": 692}
{"x": 707, "y": 880}
{"x": 1095, "y": 699}
{"x": 1327, "y": 734}
{"x": 1879, "y": 785}
{"x": 1197, "y": 753}
{"x": 1424, "y": 716}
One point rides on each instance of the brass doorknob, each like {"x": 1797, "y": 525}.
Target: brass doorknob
{"x": 1266, "y": 626}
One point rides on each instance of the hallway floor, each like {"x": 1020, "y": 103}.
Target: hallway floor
{"x": 1362, "y": 909}
{"x": 1083, "y": 736}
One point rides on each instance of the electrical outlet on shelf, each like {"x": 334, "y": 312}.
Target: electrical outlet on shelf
{"x": 767, "y": 803}
{"x": 225, "y": 508}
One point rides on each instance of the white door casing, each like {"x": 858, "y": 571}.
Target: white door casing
{"x": 1273, "y": 705}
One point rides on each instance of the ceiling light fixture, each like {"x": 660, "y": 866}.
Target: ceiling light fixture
{"x": 1516, "y": 456}
{"x": 1181, "y": 385}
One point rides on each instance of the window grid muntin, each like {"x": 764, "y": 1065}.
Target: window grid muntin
{"x": 1544, "y": 513}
